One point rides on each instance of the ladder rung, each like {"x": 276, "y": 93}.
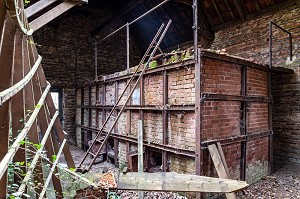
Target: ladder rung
{"x": 100, "y": 140}
{"x": 92, "y": 153}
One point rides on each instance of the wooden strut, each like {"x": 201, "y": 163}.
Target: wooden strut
{"x": 15, "y": 146}
{"x": 52, "y": 169}
{"x": 219, "y": 161}
{"x": 36, "y": 157}
{"x": 10, "y": 92}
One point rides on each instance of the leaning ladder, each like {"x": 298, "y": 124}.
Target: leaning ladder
{"x": 103, "y": 134}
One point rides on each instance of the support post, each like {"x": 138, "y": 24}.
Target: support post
{"x": 140, "y": 154}
{"x": 96, "y": 61}
{"x": 127, "y": 45}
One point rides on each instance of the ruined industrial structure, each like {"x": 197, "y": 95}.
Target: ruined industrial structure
{"x": 180, "y": 75}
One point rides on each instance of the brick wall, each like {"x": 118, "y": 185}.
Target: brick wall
{"x": 221, "y": 119}
{"x": 68, "y": 55}
{"x": 250, "y": 41}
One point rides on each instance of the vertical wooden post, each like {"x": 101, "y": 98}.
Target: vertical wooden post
{"x": 116, "y": 150}
{"x": 17, "y": 102}
{"x": 6, "y": 57}
{"x": 140, "y": 154}
{"x": 165, "y": 120}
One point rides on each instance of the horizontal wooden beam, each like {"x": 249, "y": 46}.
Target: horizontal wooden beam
{"x": 171, "y": 181}
{"x": 51, "y": 14}
{"x": 37, "y": 7}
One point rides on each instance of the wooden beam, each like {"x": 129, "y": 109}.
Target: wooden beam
{"x": 17, "y": 101}
{"x": 256, "y": 6}
{"x": 220, "y": 166}
{"x": 51, "y": 108}
{"x": 171, "y": 181}
{"x": 239, "y": 7}
{"x": 218, "y": 12}
{"x": 118, "y": 15}
{"x": 52, "y": 14}
{"x": 229, "y": 9}
{"x": 37, "y": 7}
{"x": 6, "y": 57}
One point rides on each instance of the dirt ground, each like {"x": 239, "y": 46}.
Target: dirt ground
{"x": 284, "y": 183}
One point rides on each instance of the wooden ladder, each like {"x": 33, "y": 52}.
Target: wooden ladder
{"x": 104, "y": 133}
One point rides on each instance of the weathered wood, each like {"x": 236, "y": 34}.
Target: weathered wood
{"x": 17, "y": 102}
{"x": 140, "y": 154}
{"x": 52, "y": 14}
{"x": 8, "y": 93}
{"x": 58, "y": 127}
{"x": 6, "y": 56}
{"x": 37, "y": 7}
{"x": 2, "y": 15}
{"x": 30, "y": 103}
{"x": 219, "y": 165}
{"x": 176, "y": 182}
{"x": 36, "y": 157}
{"x": 14, "y": 147}
{"x": 52, "y": 170}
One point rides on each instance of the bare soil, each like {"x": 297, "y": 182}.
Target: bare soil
{"x": 284, "y": 183}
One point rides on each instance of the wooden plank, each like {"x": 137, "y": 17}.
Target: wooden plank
{"x": 2, "y": 15}
{"x": 37, "y": 7}
{"x": 30, "y": 104}
{"x": 52, "y": 170}
{"x": 17, "y": 102}
{"x": 176, "y": 182}
{"x": 52, "y": 14}
{"x": 214, "y": 153}
{"x": 6, "y": 56}
{"x": 140, "y": 154}
{"x": 43, "y": 123}
{"x": 57, "y": 125}
{"x": 222, "y": 156}
{"x": 36, "y": 157}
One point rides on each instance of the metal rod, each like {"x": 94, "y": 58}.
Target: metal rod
{"x": 135, "y": 20}
{"x": 195, "y": 29}
{"x": 96, "y": 60}
{"x": 271, "y": 42}
{"x": 127, "y": 43}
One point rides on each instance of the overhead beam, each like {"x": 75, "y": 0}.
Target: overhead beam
{"x": 51, "y": 14}
{"x": 218, "y": 12}
{"x": 274, "y": 8}
{"x": 171, "y": 181}
{"x": 37, "y": 7}
{"x": 238, "y": 5}
{"x": 120, "y": 14}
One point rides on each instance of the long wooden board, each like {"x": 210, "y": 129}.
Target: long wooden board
{"x": 171, "y": 181}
